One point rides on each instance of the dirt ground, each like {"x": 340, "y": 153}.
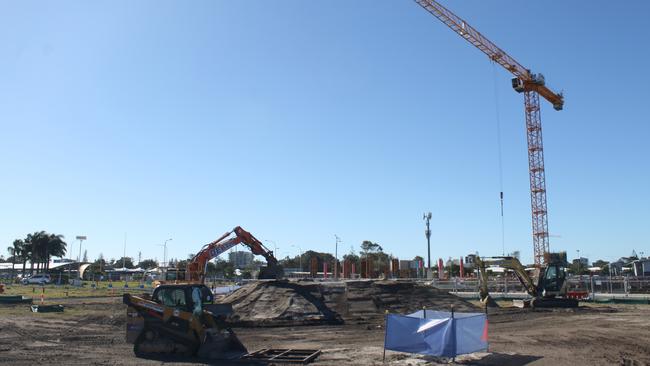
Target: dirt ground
{"x": 91, "y": 332}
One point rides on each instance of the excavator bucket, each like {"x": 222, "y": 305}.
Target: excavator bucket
{"x": 221, "y": 344}
{"x": 489, "y": 302}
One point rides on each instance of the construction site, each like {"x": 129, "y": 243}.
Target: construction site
{"x": 327, "y": 321}
{"x": 264, "y": 308}
{"x": 343, "y": 320}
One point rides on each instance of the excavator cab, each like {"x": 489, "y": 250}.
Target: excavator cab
{"x": 551, "y": 281}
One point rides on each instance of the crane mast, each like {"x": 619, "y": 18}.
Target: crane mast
{"x": 532, "y": 85}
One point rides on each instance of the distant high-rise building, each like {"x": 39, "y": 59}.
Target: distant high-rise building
{"x": 240, "y": 259}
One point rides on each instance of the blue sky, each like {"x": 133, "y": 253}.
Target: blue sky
{"x": 299, "y": 120}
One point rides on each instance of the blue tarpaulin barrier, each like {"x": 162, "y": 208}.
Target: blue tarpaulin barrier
{"x": 437, "y": 333}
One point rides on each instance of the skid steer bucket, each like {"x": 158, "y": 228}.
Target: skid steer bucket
{"x": 221, "y": 344}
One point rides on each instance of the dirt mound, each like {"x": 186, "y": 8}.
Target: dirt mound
{"x": 274, "y": 303}
{"x": 280, "y": 303}
{"x": 402, "y": 297}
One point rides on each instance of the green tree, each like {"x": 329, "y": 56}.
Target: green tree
{"x": 182, "y": 264}
{"x": 577, "y": 268}
{"x": 211, "y": 269}
{"x": 369, "y": 247}
{"x": 148, "y": 264}
{"x": 352, "y": 257}
{"x": 225, "y": 268}
{"x": 97, "y": 268}
{"x": 375, "y": 256}
{"x": 320, "y": 259}
{"x": 290, "y": 262}
{"x": 124, "y": 262}
{"x": 603, "y": 265}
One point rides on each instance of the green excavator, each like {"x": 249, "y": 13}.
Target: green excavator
{"x": 546, "y": 286}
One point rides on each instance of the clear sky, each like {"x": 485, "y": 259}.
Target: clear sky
{"x": 299, "y": 120}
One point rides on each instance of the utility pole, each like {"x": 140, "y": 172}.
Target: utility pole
{"x": 336, "y": 257}
{"x": 427, "y": 233}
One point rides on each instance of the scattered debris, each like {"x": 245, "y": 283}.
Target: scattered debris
{"x": 17, "y": 299}
{"x": 47, "y": 308}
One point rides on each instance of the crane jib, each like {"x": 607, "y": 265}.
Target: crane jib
{"x": 533, "y": 86}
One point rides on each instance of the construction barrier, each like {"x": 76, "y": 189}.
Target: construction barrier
{"x": 437, "y": 333}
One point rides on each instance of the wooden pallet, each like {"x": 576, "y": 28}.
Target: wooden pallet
{"x": 280, "y": 356}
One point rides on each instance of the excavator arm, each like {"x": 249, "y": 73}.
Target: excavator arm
{"x": 196, "y": 268}
{"x": 510, "y": 263}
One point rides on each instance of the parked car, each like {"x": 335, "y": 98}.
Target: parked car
{"x": 37, "y": 279}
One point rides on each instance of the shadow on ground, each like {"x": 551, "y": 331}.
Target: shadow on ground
{"x": 504, "y": 359}
{"x": 200, "y": 361}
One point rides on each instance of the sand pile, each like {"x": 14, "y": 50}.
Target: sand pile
{"x": 276, "y": 303}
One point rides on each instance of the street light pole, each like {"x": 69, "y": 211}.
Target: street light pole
{"x": 165, "y": 255}
{"x": 336, "y": 258}
{"x": 427, "y": 233}
{"x": 81, "y": 238}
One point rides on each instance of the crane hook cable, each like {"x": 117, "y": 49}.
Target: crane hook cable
{"x": 498, "y": 127}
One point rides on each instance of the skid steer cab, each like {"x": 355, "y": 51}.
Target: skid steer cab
{"x": 182, "y": 320}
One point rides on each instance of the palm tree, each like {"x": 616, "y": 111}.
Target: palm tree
{"x": 38, "y": 243}
{"x": 22, "y": 252}
{"x": 56, "y": 247}
{"x": 15, "y": 250}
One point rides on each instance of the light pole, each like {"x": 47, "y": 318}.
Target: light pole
{"x": 165, "y": 254}
{"x": 81, "y": 238}
{"x": 427, "y": 233}
{"x": 336, "y": 257}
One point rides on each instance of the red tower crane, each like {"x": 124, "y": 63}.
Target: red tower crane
{"x": 532, "y": 85}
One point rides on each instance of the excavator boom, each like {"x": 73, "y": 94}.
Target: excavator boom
{"x": 196, "y": 268}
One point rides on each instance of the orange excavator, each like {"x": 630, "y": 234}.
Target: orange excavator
{"x": 197, "y": 266}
